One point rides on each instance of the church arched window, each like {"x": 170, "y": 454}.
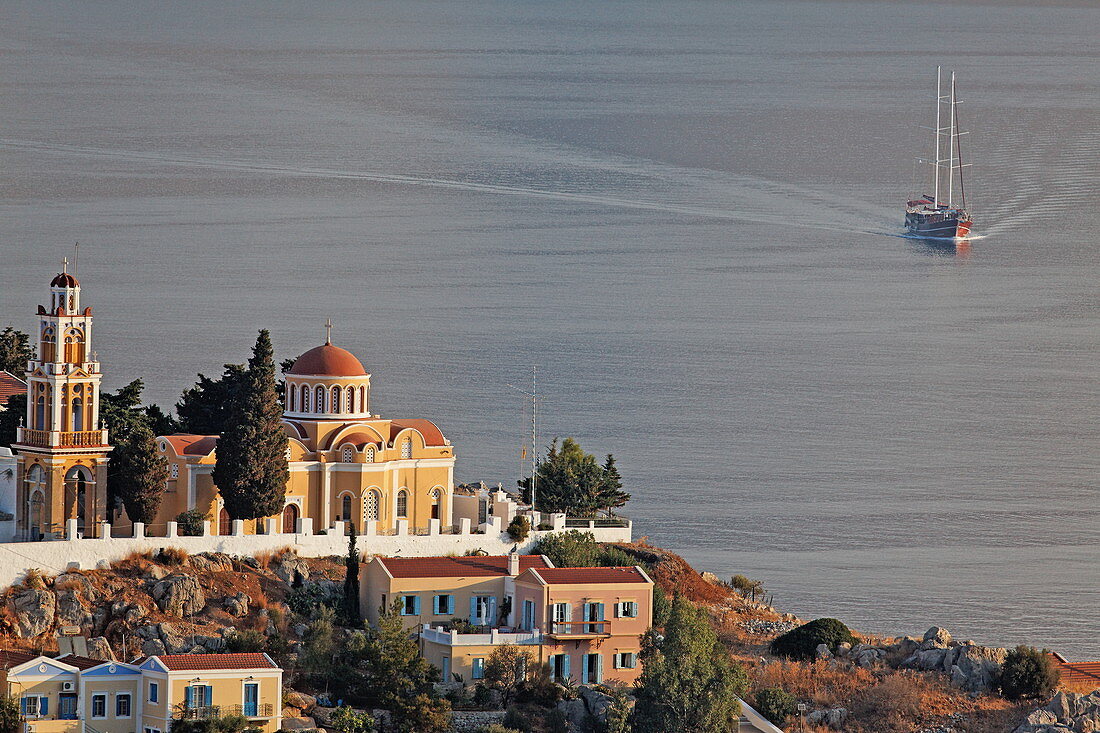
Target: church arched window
{"x": 347, "y": 454}
{"x": 345, "y": 508}
{"x": 336, "y": 392}
{"x": 368, "y": 453}
{"x": 371, "y": 510}
{"x": 407, "y": 449}
{"x": 362, "y": 399}
{"x": 291, "y": 395}
{"x": 402, "y": 504}
{"x": 40, "y": 413}
{"x": 351, "y": 400}
{"x": 437, "y": 503}
{"x": 305, "y": 398}
{"x": 78, "y": 414}
{"x": 320, "y": 400}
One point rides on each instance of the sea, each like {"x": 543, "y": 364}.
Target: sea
{"x": 684, "y": 219}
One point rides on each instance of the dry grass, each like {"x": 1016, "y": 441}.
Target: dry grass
{"x": 137, "y": 561}
{"x": 172, "y": 556}
{"x": 68, "y": 584}
{"x": 277, "y": 555}
{"x": 825, "y": 684}
{"x": 37, "y": 579}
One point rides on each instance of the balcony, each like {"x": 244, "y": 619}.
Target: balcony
{"x": 62, "y": 439}
{"x": 569, "y": 630}
{"x": 208, "y": 712}
{"x": 441, "y": 635}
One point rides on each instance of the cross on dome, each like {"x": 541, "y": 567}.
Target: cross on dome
{"x": 328, "y": 331}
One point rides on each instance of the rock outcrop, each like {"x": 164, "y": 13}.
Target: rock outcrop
{"x": 1067, "y": 712}
{"x": 972, "y": 667}
{"x": 179, "y": 595}
{"x": 35, "y": 611}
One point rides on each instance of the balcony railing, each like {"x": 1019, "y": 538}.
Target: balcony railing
{"x": 81, "y": 439}
{"x": 62, "y": 438}
{"x": 579, "y": 628}
{"x": 206, "y": 712}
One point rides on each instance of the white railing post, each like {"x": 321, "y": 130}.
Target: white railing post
{"x": 173, "y": 529}
{"x": 206, "y": 528}
{"x": 370, "y": 528}
{"x": 464, "y": 525}
{"x": 274, "y": 526}
{"x": 305, "y": 525}
{"x": 105, "y": 530}
{"x": 70, "y": 529}
{"x": 433, "y": 527}
{"x": 237, "y": 528}
{"x": 339, "y": 528}
{"x": 402, "y": 527}
{"x": 558, "y": 520}
{"x": 139, "y": 530}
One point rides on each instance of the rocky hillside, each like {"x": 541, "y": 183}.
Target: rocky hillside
{"x": 162, "y": 603}
{"x": 930, "y": 683}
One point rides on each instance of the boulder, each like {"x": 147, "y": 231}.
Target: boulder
{"x": 575, "y": 713}
{"x": 936, "y": 638}
{"x": 176, "y": 641}
{"x": 100, "y": 648}
{"x": 290, "y": 569}
{"x": 868, "y": 658}
{"x": 34, "y": 611}
{"x": 156, "y": 572}
{"x": 149, "y": 647}
{"x": 71, "y": 611}
{"x": 1041, "y": 717}
{"x": 823, "y": 652}
{"x": 300, "y": 700}
{"x": 1063, "y": 706}
{"x": 211, "y": 561}
{"x": 236, "y": 605}
{"x": 843, "y": 648}
{"x": 210, "y": 643}
{"x": 835, "y": 717}
{"x": 179, "y": 595}
{"x": 302, "y": 723}
{"x": 75, "y": 582}
{"x": 323, "y": 714}
{"x": 980, "y": 665}
{"x": 597, "y": 704}
{"x": 710, "y": 577}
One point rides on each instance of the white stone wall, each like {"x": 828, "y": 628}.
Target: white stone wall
{"x": 56, "y": 556}
{"x": 8, "y": 472}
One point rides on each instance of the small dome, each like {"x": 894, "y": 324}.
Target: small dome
{"x": 64, "y": 280}
{"x": 328, "y": 361}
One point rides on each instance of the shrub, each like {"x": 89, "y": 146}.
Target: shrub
{"x": 519, "y": 528}
{"x": 248, "y": 640}
{"x": 1028, "y": 672}
{"x": 498, "y": 728}
{"x": 746, "y": 586}
{"x": 775, "y": 704}
{"x": 189, "y": 523}
{"x": 662, "y": 606}
{"x": 11, "y": 719}
{"x": 575, "y": 549}
{"x": 802, "y": 642}
{"x": 36, "y": 579}
{"x": 308, "y": 598}
{"x": 347, "y": 720}
{"x": 171, "y": 556}
{"x": 897, "y": 701}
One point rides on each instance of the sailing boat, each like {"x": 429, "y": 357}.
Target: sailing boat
{"x": 941, "y": 215}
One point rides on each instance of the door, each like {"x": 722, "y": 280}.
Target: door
{"x": 251, "y": 699}
{"x": 66, "y": 706}
{"x": 290, "y": 519}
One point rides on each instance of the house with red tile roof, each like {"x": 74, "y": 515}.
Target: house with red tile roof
{"x": 10, "y": 385}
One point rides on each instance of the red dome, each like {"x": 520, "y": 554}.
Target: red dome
{"x": 64, "y": 280}
{"x": 328, "y": 361}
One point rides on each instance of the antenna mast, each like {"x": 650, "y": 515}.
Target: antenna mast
{"x": 951, "y": 148}
{"x": 939, "y": 98}
{"x": 534, "y": 459}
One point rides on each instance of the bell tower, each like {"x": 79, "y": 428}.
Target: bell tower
{"x": 62, "y": 449}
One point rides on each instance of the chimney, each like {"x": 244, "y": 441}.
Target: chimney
{"x": 513, "y": 564}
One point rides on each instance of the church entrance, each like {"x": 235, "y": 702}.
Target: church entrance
{"x": 76, "y": 496}
{"x": 223, "y": 522}
{"x": 290, "y": 519}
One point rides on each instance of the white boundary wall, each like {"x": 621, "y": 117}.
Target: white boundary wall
{"x": 57, "y": 556}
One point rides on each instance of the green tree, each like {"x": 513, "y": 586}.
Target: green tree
{"x": 1028, "y": 672}
{"x": 136, "y": 473}
{"x": 662, "y": 607}
{"x": 319, "y": 646}
{"x": 10, "y": 417}
{"x": 215, "y": 724}
{"x": 619, "y": 711}
{"x": 140, "y": 473}
{"x": 205, "y": 409}
{"x": 802, "y": 642}
{"x": 688, "y": 680}
{"x": 385, "y": 670}
{"x": 11, "y": 718}
{"x": 348, "y": 720}
{"x": 572, "y": 481}
{"x": 189, "y": 523}
{"x": 746, "y": 586}
{"x": 576, "y": 549}
{"x": 251, "y": 469}
{"x": 16, "y": 350}
{"x": 612, "y": 495}
{"x": 506, "y": 670}
{"x": 350, "y": 603}
{"x": 775, "y": 704}
{"x": 519, "y": 528}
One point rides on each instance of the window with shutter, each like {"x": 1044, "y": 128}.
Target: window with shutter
{"x": 479, "y": 668}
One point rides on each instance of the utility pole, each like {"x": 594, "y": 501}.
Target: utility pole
{"x": 533, "y": 394}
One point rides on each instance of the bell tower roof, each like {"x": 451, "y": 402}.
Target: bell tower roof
{"x": 64, "y": 280}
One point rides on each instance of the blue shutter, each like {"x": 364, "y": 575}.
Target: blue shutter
{"x": 473, "y": 610}
{"x": 435, "y": 605}
{"x": 599, "y": 668}
{"x": 619, "y": 612}
{"x": 188, "y": 697}
{"x": 209, "y": 697}
{"x": 43, "y": 706}
{"x": 450, "y": 604}
{"x": 23, "y": 705}
{"x": 565, "y": 666}
{"x": 584, "y": 669}
{"x": 492, "y": 620}
{"x": 416, "y": 605}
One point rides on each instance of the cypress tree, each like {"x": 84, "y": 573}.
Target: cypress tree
{"x": 351, "y": 582}
{"x": 16, "y": 350}
{"x": 612, "y": 495}
{"x": 139, "y": 474}
{"x": 251, "y": 470}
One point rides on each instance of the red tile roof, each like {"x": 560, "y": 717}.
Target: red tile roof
{"x": 592, "y": 575}
{"x": 242, "y": 660}
{"x": 432, "y": 434}
{"x": 1079, "y": 672}
{"x": 75, "y": 660}
{"x": 328, "y": 361}
{"x": 458, "y": 567}
{"x": 10, "y": 385}
{"x": 9, "y": 659}
{"x": 191, "y": 445}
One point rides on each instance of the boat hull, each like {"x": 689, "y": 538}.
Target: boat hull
{"x": 937, "y": 227}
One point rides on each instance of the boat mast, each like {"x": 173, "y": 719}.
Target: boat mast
{"x": 936, "y": 196}
{"x": 951, "y": 148}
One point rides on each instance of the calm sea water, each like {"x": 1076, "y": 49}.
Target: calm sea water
{"x": 686, "y": 214}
